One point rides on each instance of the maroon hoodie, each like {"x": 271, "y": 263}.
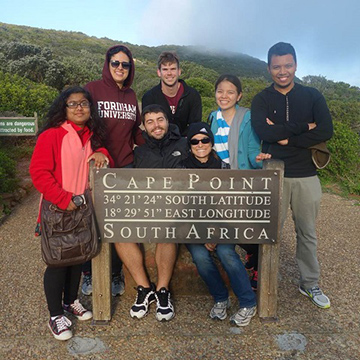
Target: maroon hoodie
{"x": 119, "y": 109}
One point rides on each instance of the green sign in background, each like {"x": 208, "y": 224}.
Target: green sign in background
{"x": 18, "y": 126}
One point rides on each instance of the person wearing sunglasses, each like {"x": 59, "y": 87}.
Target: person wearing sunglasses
{"x": 118, "y": 107}
{"x": 236, "y": 142}
{"x": 202, "y": 156}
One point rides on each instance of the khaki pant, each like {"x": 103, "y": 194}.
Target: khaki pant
{"x": 303, "y": 195}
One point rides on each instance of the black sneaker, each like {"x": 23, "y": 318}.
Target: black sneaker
{"x": 164, "y": 307}
{"x": 144, "y": 297}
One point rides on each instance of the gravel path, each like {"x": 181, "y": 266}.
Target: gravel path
{"x": 302, "y": 332}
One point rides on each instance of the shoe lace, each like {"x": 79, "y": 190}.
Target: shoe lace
{"x": 255, "y": 276}
{"x": 77, "y": 307}
{"x": 62, "y": 323}
{"x": 243, "y": 312}
{"x": 117, "y": 279}
{"x": 87, "y": 280}
{"x": 141, "y": 294}
{"x": 162, "y": 298}
{"x": 316, "y": 291}
{"x": 221, "y": 304}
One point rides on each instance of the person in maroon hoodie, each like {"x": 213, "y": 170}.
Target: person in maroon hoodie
{"x": 117, "y": 106}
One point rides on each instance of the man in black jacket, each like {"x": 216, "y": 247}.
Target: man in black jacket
{"x": 181, "y": 102}
{"x": 290, "y": 118}
{"x": 164, "y": 148}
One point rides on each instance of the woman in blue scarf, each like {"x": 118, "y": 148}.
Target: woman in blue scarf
{"x": 236, "y": 143}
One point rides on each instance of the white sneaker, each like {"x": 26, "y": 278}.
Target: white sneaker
{"x": 316, "y": 296}
{"x": 218, "y": 311}
{"x": 243, "y": 316}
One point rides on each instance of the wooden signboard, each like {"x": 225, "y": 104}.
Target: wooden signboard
{"x": 183, "y": 206}
{"x": 187, "y": 206}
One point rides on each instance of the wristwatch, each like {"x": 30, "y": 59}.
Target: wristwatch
{"x": 78, "y": 200}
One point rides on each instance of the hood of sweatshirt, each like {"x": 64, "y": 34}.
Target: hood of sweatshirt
{"x": 106, "y": 75}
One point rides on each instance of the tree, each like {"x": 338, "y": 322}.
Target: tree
{"x": 204, "y": 87}
{"x": 55, "y": 74}
{"x": 83, "y": 68}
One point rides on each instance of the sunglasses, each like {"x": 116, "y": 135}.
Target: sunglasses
{"x": 203, "y": 141}
{"x": 115, "y": 64}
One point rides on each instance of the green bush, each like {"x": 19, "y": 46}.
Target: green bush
{"x": 344, "y": 166}
{"x": 208, "y": 105}
{"x": 24, "y": 96}
{"x": 8, "y": 180}
{"x": 204, "y": 87}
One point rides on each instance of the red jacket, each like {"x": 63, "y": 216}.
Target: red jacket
{"x": 119, "y": 109}
{"x": 48, "y": 168}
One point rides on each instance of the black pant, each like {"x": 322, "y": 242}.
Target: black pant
{"x": 59, "y": 281}
{"x": 116, "y": 263}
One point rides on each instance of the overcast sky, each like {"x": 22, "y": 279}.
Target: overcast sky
{"x": 325, "y": 33}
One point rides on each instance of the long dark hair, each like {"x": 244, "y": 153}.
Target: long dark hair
{"x": 57, "y": 115}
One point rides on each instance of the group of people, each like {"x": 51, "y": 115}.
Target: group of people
{"x": 104, "y": 124}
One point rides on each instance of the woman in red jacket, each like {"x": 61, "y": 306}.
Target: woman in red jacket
{"x": 59, "y": 169}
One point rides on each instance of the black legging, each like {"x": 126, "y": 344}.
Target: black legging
{"x": 59, "y": 281}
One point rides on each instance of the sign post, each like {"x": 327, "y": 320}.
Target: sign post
{"x": 187, "y": 206}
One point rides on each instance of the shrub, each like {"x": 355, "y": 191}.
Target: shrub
{"x": 24, "y": 96}
{"x": 204, "y": 87}
{"x": 8, "y": 182}
{"x": 344, "y": 166}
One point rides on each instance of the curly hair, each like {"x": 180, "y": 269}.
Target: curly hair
{"x": 57, "y": 115}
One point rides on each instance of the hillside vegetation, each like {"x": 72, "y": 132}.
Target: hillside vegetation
{"x": 35, "y": 64}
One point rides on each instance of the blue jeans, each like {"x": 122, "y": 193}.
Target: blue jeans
{"x": 234, "y": 268}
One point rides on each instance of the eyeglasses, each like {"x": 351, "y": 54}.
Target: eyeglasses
{"x": 115, "y": 63}
{"x": 74, "y": 105}
{"x": 203, "y": 141}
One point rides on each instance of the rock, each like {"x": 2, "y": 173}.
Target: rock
{"x": 26, "y": 183}
{"x": 19, "y": 194}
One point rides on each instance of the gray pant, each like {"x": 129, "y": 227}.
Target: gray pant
{"x": 303, "y": 195}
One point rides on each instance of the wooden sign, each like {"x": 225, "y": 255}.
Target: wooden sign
{"x": 187, "y": 205}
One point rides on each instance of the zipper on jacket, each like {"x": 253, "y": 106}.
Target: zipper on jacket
{"x": 287, "y": 108}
